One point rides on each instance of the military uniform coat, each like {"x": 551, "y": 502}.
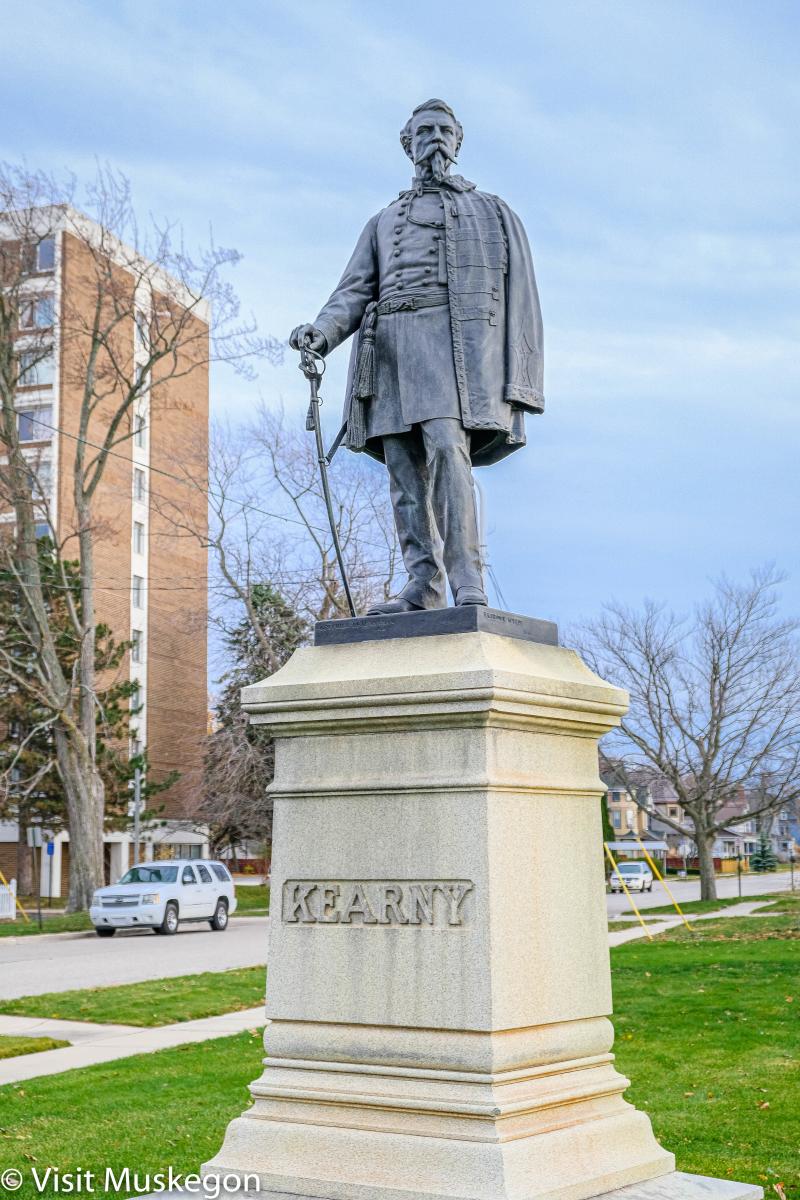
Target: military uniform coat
{"x": 476, "y": 355}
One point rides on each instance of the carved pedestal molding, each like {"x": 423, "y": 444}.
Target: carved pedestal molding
{"x": 439, "y": 980}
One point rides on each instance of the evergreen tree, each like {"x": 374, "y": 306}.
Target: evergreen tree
{"x": 764, "y": 857}
{"x": 31, "y": 790}
{"x": 239, "y": 758}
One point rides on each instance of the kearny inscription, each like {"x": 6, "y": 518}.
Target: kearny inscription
{"x": 432, "y": 902}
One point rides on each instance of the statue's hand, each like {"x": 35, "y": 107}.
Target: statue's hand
{"x": 308, "y": 335}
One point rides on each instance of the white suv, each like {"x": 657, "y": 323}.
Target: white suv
{"x": 159, "y": 895}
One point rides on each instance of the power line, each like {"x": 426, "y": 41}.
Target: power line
{"x": 208, "y": 492}
{"x": 289, "y": 581}
{"x": 241, "y": 505}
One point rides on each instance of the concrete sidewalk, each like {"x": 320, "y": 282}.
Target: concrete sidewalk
{"x": 745, "y": 909}
{"x": 105, "y": 1043}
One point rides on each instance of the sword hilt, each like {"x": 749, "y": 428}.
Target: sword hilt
{"x": 312, "y": 364}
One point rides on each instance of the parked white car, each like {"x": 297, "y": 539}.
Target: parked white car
{"x": 637, "y": 876}
{"x": 162, "y": 895}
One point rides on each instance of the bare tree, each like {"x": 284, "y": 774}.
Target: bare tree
{"x": 268, "y": 523}
{"x": 134, "y": 318}
{"x": 274, "y": 574}
{"x": 714, "y": 704}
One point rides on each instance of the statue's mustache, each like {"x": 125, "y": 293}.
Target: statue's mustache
{"x": 435, "y": 148}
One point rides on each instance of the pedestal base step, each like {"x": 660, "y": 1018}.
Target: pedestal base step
{"x": 678, "y": 1185}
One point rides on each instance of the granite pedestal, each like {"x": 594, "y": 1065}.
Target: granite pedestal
{"x": 439, "y": 985}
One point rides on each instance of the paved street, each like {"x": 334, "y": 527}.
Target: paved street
{"x": 689, "y": 889}
{"x": 60, "y": 962}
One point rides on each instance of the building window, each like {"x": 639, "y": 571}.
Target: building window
{"x": 40, "y": 481}
{"x": 137, "y": 646}
{"x": 139, "y": 428}
{"x": 138, "y": 484}
{"x": 42, "y": 529}
{"x": 672, "y": 812}
{"x": 136, "y": 747}
{"x": 137, "y": 591}
{"x": 616, "y": 820}
{"x": 138, "y": 537}
{"x": 137, "y": 697}
{"x": 142, "y": 330}
{"x": 33, "y": 424}
{"x": 37, "y": 313}
{"x": 37, "y": 368}
{"x": 180, "y": 850}
{"x": 46, "y": 254}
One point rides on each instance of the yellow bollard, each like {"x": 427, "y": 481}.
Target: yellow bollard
{"x": 662, "y": 880}
{"x": 625, "y": 890}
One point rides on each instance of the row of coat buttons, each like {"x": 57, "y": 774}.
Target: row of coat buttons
{"x": 398, "y": 229}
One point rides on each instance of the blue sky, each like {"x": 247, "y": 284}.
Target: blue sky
{"x": 650, "y": 147}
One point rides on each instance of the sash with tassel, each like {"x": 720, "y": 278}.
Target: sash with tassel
{"x": 363, "y": 388}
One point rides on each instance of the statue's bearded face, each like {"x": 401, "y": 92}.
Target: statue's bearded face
{"x": 434, "y": 141}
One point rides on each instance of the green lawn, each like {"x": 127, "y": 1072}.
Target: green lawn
{"x": 158, "y": 1002}
{"x": 252, "y": 900}
{"x": 148, "y": 1112}
{"x": 615, "y": 926}
{"x": 57, "y": 923}
{"x": 708, "y": 1031}
{"x": 789, "y": 902}
{"x": 10, "y": 1047}
{"x": 741, "y": 928}
{"x": 706, "y": 906}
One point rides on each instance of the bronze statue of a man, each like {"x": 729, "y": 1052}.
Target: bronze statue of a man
{"x": 448, "y": 358}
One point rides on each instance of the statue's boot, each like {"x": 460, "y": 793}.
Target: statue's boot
{"x": 398, "y": 605}
{"x": 471, "y": 595}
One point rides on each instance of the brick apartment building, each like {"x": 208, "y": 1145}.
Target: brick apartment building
{"x": 151, "y": 583}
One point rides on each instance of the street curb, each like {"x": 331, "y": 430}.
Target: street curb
{"x": 46, "y": 937}
{"x": 87, "y": 933}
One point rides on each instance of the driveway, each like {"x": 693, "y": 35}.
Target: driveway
{"x": 689, "y": 889}
{"x": 61, "y": 962}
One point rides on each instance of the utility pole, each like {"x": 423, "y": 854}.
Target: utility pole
{"x": 137, "y": 801}
{"x": 34, "y": 836}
